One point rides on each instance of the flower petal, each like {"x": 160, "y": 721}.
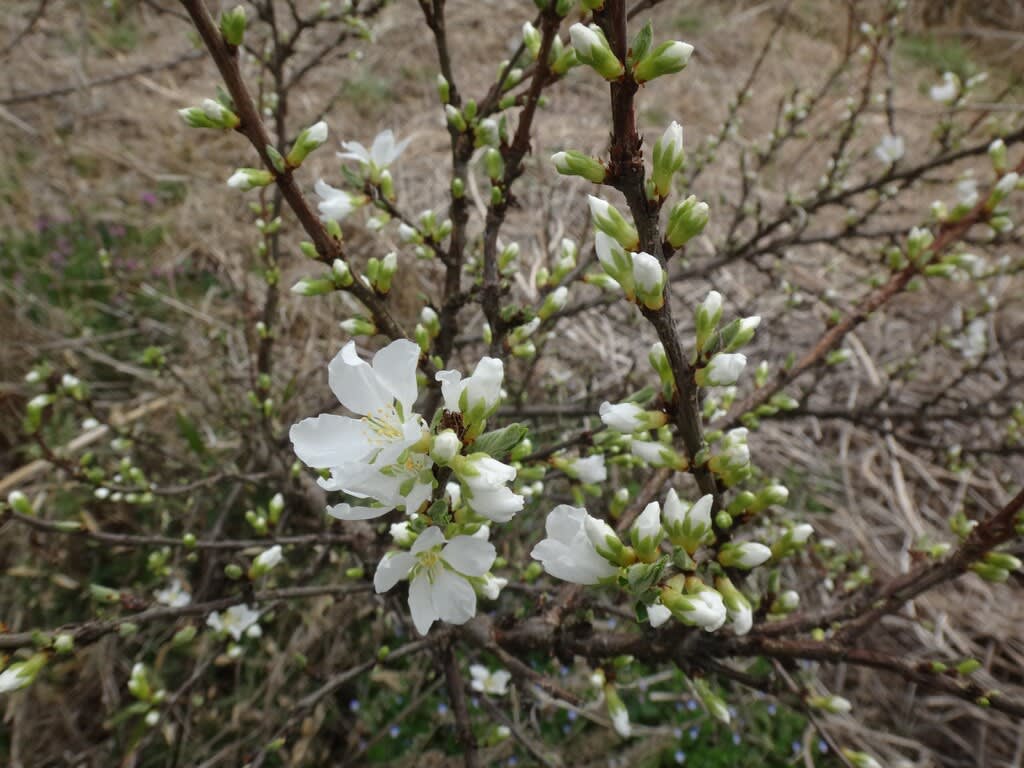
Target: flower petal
{"x": 393, "y": 567}
{"x": 451, "y": 389}
{"x": 430, "y": 538}
{"x": 454, "y": 598}
{"x": 469, "y": 555}
{"x": 354, "y": 382}
{"x": 421, "y": 603}
{"x": 329, "y": 440}
{"x": 348, "y": 512}
{"x": 395, "y": 367}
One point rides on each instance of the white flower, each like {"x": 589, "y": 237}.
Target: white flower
{"x": 235, "y": 620}
{"x": 446, "y": 446}
{"x": 335, "y": 204}
{"x": 567, "y": 553}
{"x": 485, "y": 681}
{"x": 620, "y": 721}
{"x": 588, "y": 470}
{"x": 437, "y": 571}
{"x": 724, "y": 369}
{"x": 173, "y": 595}
{"x": 890, "y": 149}
{"x": 362, "y": 453}
{"x": 384, "y": 152}
{"x": 973, "y": 340}
{"x": 476, "y": 396}
{"x": 1004, "y": 186}
{"x": 654, "y": 453}
{"x": 239, "y": 180}
{"x": 624, "y": 417}
{"x": 947, "y": 91}
{"x": 742, "y": 618}
{"x": 485, "y": 490}
{"x": 967, "y": 192}
{"x": 269, "y": 558}
{"x": 658, "y": 614}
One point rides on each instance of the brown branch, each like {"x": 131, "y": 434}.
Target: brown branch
{"x": 253, "y": 128}
{"x": 948, "y": 235}
{"x": 457, "y": 696}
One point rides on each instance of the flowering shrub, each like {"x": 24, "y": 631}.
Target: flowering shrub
{"x": 492, "y": 511}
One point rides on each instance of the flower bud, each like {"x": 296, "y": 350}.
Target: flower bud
{"x": 604, "y": 539}
{"x": 245, "y": 179}
{"x": 19, "y": 502}
{"x": 997, "y": 154}
{"x": 266, "y": 561}
{"x": 707, "y": 317}
{"x": 531, "y": 39}
{"x": 667, "y": 58}
{"x": 649, "y": 279}
{"x": 553, "y": 302}
{"x": 617, "y": 711}
{"x": 592, "y": 49}
{"x": 630, "y": 417}
{"x": 736, "y": 604}
{"x": 747, "y": 555}
{"x": 646, "y": 533}
{"x": 686, "y": 220}
{"x": 687, "y": 526}
{"x": 607, "y": 219}
{"x": 572, "y": 163}
{"x": 232, "y": 25}
{"x": 307, "y": 141}
{"x": 358, "y": 326}
{"x": 668, "y": 157}
{"x": 723, "y": 371}
{"x": 835, "y": 705}
{"x": 313, "y": 286}
{"x": 446, "y": 446}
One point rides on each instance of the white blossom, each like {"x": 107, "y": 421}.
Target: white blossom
{"x": 371, "y": 456}
{"x": 269, "y": 558}
{"x": 235, "y": 621}
{"x": 437, "y": 571}
{"x": 890, "y": 149}
{"x": 624, "y": 417}
{"x": 658, "y": 614}
{"x": 384, "y": 151}
{"x": 485, "y": 681}
{"x": 174, "y": 595}
{"x": 567, "y": 553}
{"x": 477, "y": 395}
{"x": 947, "y": 91}
{"x": 492, "y": 586}
{"x": 335, "y": 204}
{"x": 485, "y": 486}
{"x": 724, "y": 369}
{"x": 590, "y": 469}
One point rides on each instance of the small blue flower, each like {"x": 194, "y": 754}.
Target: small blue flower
{"x": 572, "y": 715}
{"x": 822, "y": 746}
{"x": 691, "y": 705}
{"x": 442, "y": 709}
{"x": 736, "y": 739}
{"x": 680, "y": 756}
{"x": 772, "y": 709}
{"x": 394, "y": 730}
{"x": 354, "y": 705}
{"x": 796, "y": 747}
{"x": 694, "y": 733}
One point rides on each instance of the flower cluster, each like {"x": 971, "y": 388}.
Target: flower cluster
{"x": 387, "y": 457}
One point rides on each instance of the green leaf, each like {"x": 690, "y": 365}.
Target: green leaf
{"x": 499, "y": 442}
{"x": 641, "y": 43}
{"x": 643, "y": 576}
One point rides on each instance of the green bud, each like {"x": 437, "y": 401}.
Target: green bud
{"x": 307, "y": 141}
{"x": 232, "y": 26}
{"x": 233, "y": 571}
{"x": 686, "y": 220}
{"x": 572, "y": 163}
{"x": 667, "y": 58}
{"x": 592, "y": 49}
{"x": 314, "y": 286}
{"x": 183, "y": 636}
